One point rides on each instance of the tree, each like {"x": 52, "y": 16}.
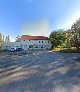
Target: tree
{"x": 69, "y": 36}
{"x": 57, "y": 37}
{"x": 76, "y": 36}
{"x": 3, "y": 38}
{"x": 18, "y": 38}
{"x": 0, "y": 38}
{"x": 8, "y": 38}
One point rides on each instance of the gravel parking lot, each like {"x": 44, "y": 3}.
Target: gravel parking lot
{"x": 39, "y": 71}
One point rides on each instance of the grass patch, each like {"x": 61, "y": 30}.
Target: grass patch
{"x": 66, "y": 50}
{"x": 57, "y": 49}
{"x": 70, "y": 51}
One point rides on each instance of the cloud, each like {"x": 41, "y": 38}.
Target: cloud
{"x": 40, "y": 28}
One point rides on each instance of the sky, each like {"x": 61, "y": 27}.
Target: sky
{"x": 36, "y": 17}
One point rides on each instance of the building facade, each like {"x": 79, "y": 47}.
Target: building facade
{"x": 28, "y": 42}
{"x": 9, "y": 45}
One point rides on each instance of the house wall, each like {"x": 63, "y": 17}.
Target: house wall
{"x": 35, "y": 44}
{"x": 27, "y": 44}
{"x": 9, "y": 45}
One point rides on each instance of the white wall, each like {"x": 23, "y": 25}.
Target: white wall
{"x": 32, "y": 44}
{"x": 45, "y": 44}
{"x": 9, "y": 45}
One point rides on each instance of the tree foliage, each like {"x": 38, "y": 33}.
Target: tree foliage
{"x": 7, "y": 39}
{"x": 76, "y": 34}
{"x": 18, "y": 38}
{"x": 0, "y": 38}
{"x": 57, "y": 37}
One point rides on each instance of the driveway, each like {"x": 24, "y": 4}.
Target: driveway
{"x": 40, "y": 71}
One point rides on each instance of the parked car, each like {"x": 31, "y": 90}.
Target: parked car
{"x": 19, "y": 49}
{"x": 12, "y": 49}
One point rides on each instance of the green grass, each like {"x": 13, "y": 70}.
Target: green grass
{"x": 70, "y": 51}
{"x": 66, "y": 50}
{"x": 58, "y": 49}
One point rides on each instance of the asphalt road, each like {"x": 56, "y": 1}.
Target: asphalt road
{"x": 40, "y": 71}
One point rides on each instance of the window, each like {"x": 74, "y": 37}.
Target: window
{"x": 21, "y": 46}
{"x": 36, "y": 47}
{"x": 39, "y": 41}
{"x": 24, "y": 40}
{"x": 30, "y": 46}
{"x": 42, "y": 47}
{"x": 29, "y": 40}
{"x": 42, "y": 41}
{"x": 25, "y": 46}
{"x": 17, "y": 46}
{"x": 48, "y": 41}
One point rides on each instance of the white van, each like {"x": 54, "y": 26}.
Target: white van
{"x": 12, "y": 49}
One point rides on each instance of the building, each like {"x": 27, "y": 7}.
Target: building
{"x": 9, "y": 45}
{"x": 28, "y": 42}
{"x": 35, "y": 42}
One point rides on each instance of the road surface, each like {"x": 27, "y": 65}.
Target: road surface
{"x": 40, "y": 71}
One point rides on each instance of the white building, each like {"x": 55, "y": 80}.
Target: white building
{"x": 28, "y": 42}
{"x": 9, "y": 45}
{"x": 35, "y": 42}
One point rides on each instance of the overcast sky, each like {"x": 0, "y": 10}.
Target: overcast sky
{"x": 36, "y": 17}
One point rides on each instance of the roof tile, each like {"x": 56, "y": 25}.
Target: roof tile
{"x": 25, "y": 37}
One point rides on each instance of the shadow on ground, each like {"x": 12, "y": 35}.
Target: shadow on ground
{"x": 40, "y": 72}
